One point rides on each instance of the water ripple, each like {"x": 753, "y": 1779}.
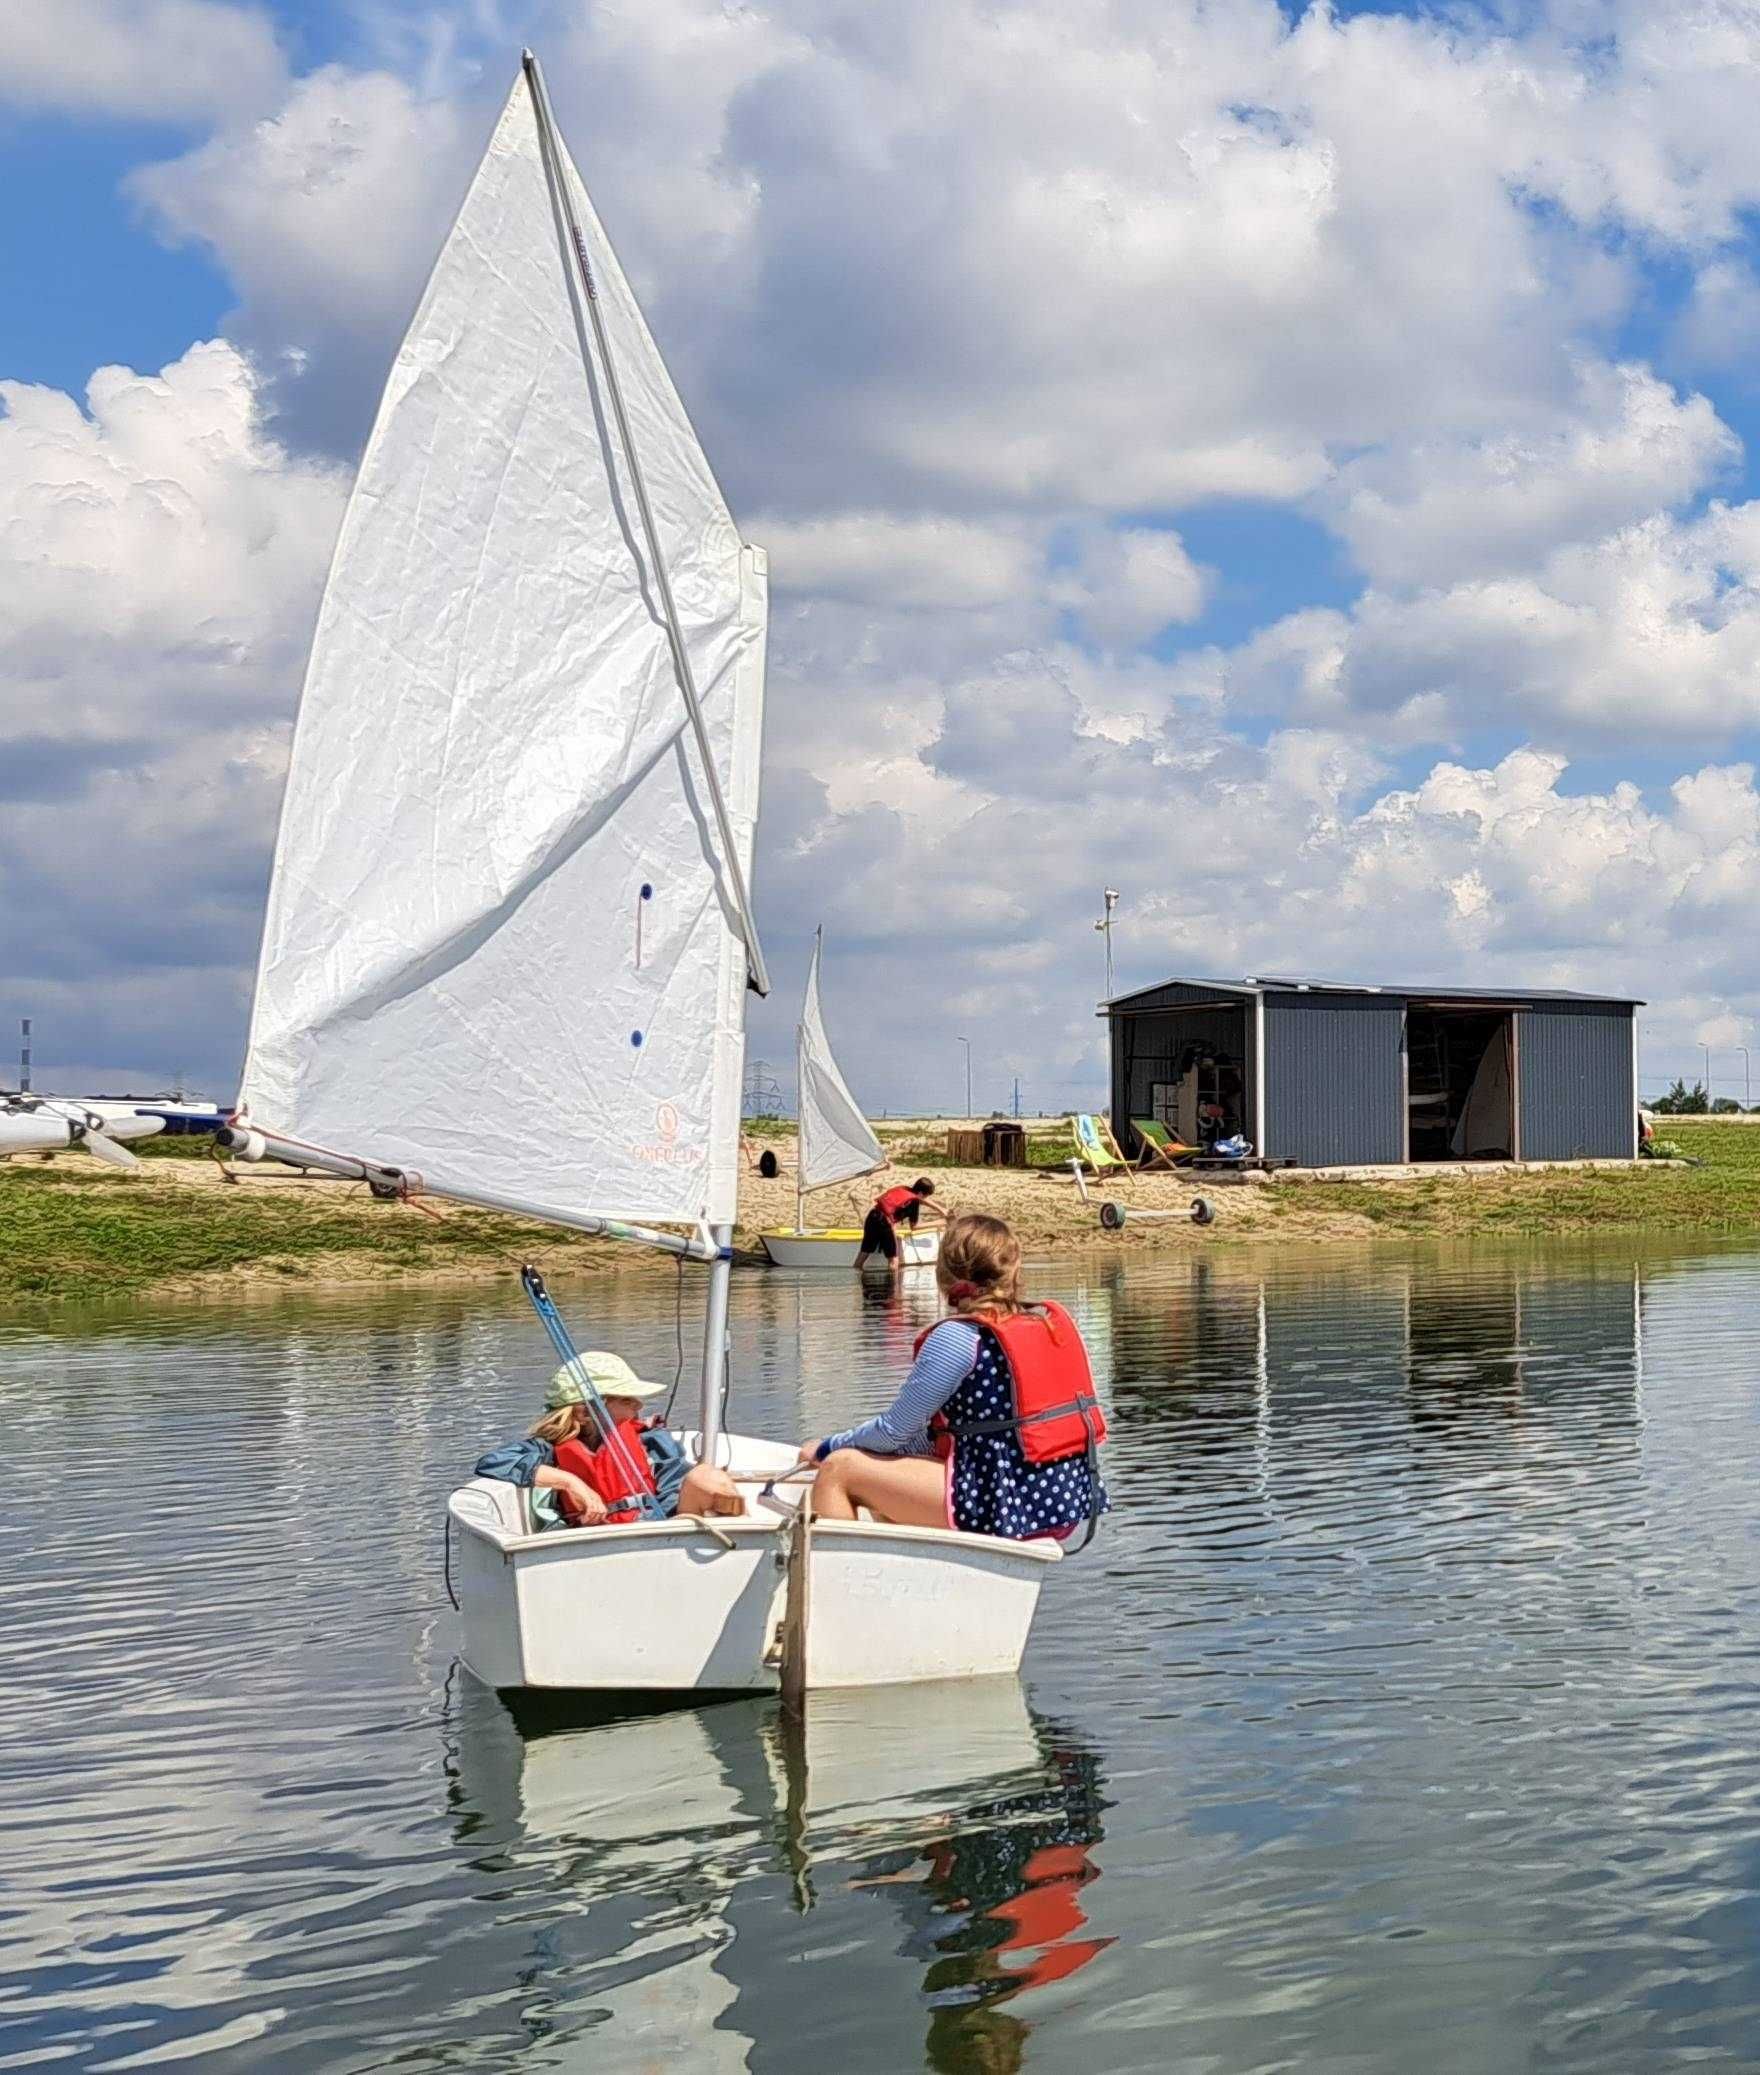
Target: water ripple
{"x": 1404, "y": 1710}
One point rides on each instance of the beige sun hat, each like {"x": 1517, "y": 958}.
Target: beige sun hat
{"x": 610, "y": 1375}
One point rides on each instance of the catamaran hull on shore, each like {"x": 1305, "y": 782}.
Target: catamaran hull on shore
{"x": 838, "y": 1249}
{"x": 687, "y": 1606}
{"x": 50, "y": 1131}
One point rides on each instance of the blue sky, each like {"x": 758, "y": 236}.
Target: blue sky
{"x": 1324, "y": 438}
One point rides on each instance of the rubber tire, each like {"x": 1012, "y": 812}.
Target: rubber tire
{"x": 1203, "y": 1213}
{"x": 1112, "y": 1216}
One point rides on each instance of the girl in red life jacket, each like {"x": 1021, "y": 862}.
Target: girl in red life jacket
{"x": 590, "y": 1473}
{"x": 997, "y": 1428}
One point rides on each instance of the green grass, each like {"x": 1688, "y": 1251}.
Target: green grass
{"x": 1720, "y": 1195}
{"x": 1049, "y": 1144}
{"x": 66, "y": 1233}
{"x": 198, "y": 1147}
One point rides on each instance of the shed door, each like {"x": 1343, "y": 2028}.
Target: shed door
{"x": 1334, "y": 1084}
{"x": 1575, "y": 1067}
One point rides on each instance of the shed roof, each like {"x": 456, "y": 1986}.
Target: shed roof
{"x": 1284, "y": 983}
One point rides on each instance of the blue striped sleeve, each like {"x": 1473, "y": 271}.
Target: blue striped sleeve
{"x": 903, "y": 1428}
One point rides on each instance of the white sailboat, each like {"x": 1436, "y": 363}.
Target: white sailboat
{"x": 53, "y": 1124}
{"x": 834, "y": 1143}
{"x": 509, "y": 939}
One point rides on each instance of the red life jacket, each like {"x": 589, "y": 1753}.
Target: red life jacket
{"x": 615, "y": 1473}
{"x": 1056, "y": 1413}
{"x": 895, "y": 1200}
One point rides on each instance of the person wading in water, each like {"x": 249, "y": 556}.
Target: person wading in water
{"x": 900, "y": 1206}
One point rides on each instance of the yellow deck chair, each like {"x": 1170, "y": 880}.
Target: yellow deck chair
{"x": 1096, "y": 1146}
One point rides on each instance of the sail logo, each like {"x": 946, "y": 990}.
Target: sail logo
{"x": 664, "y": 1149}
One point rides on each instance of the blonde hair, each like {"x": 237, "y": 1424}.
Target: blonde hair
{"x": 566, "y": 1423}
{"x": 979, "y": 1267}
{"x": 573, "y": 1423}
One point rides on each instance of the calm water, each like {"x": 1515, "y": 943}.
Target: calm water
{"x": 1403, "y": 1716}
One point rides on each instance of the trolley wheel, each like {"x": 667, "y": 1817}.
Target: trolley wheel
{"x": 1112, "y": 1216}
{"x": 1203, "y": 1211}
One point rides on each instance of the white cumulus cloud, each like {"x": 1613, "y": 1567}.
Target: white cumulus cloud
{"x": 170, "y": 60}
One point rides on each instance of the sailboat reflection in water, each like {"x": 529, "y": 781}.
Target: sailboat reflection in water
{"x": 642, "y": 1853}
{"x": 998, "y": 1905}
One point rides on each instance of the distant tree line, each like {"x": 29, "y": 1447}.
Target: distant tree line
{"x": 1682, "y": 1101}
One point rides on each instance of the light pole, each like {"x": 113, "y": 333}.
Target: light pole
{"x": 1747, "y": 1079}
{"x": 1110, "y": 897}
{"x": 1706, "y": 1049}
{"x": 968, "y": 1045}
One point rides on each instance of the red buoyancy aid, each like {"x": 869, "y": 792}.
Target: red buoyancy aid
{"x": 892, "y": 1201}
{"x": 1056, "y": 1413}
{"x": 614, "y": 1472}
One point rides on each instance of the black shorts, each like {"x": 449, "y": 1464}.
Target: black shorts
{"x": 878, "y": 1236}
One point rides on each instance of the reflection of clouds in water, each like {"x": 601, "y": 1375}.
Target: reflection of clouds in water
{"x": 1412, "y": 1624}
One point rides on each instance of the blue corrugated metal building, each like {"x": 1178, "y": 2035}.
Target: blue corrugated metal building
{"x": 1329, "y": 1075}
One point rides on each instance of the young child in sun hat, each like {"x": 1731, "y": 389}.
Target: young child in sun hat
{"x": 595, "y": 1476}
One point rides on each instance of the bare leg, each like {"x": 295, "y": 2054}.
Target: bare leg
{"x": 907, "y": 1490}
{"x": 708, "y": 1490}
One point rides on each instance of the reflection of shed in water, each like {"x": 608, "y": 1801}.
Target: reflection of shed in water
{"x": 627, "y": 1856}
{"x": 1222, "y": 1369}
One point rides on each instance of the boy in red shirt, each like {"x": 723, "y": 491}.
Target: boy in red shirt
{"x": 892, "y": 1208}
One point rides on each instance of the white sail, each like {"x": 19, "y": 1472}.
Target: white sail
{"x": 502, "y": 945}
{"x": 836, "y": 1143}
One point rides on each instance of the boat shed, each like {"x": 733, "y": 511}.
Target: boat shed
{"x": 1320, "y": 1074}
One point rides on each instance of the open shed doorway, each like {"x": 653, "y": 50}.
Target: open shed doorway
{"x": 1187, "y": 1069}
{"x": 1460, "y": 1083}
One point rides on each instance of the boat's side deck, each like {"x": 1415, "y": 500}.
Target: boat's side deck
{"x": 499, "y": 1512}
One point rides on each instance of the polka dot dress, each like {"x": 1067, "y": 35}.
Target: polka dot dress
{"x": 995, "y": 1490}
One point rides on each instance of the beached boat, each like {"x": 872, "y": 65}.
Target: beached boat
{"x": 509, "y": 941}
{"x": 49, "y": 1124}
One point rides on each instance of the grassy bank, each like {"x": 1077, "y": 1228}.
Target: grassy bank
{"x": 1721, "y": 1193}
{"x": 71, "y": 1228}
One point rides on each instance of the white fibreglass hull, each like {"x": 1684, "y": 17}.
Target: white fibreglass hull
{"x": 48, "y": 1131}
{"x": 838, "y": 1249}
{"x": 696, "y": 1607}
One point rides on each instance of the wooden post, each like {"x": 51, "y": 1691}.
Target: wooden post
{"x": 797, "y": 1608}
